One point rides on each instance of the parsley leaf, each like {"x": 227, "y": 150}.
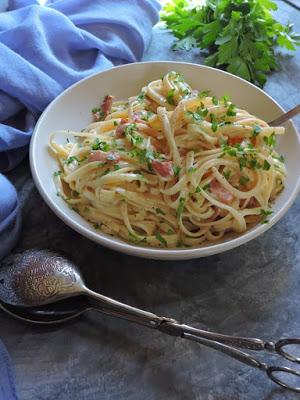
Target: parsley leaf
{"x": 231, "y": 112}
{"x": 160, "y": 211}
{"x": 265, "y": 214}
{"x": 205, "y": 187}
{"x": 57, "y": 173}
{"x": 161, "y": 239}
{"x": 204, "y": 93}
{"x": 170, "y": 97}
{"x": 71, "y": 159}
{"x": 180, "y": 207}
{"x": 279, "y": 158}
{"x": 225, "y": 100}
{"x": 256, "y": 130}
{"x": 191, "y": 170}
{"x": 227, "y": 174}
{"x": 214, "y": 100}
{"x": 176, "y": 170}
{"x": 238, "y": 36}
{"x": 100, "y": 145}
{"x": 244, "y": 180}
{"x": 214, "y": 124}
{"x": 95, "y": 110}
{"x": 270, "y": 140}
{"x": 141, "y": 97}
{"x": 266, "y": 165}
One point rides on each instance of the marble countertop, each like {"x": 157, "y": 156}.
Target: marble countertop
{"x": 252, "y": 291}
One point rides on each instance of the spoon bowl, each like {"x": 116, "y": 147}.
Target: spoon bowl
{"x": 56, "y": 313}
{"x": 38, "y": 277}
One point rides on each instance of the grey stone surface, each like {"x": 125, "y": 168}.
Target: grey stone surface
{"x": 252, "y": 290}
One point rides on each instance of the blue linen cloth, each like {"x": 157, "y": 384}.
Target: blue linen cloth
{"x": 7, "y": 386}
{"x": 43, "y": 50}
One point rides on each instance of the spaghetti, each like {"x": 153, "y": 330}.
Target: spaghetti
{"x": 170, "y": 167}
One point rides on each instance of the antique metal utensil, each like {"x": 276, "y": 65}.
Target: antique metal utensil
{"x": 43, "y": 287}
{"x": 286, "y": 116}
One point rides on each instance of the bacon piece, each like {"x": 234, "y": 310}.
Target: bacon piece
{"x": 163, "y": 168}
{"x": 219, "y": 212}
{"x": 253, "y": 203}
{"x": 107, "y": 104}
{"x": 232, "y": 141}
{"x": 121, "y": 128}
{"x": 103, "y": 157}
{"x": 97, "y": 156}
{"x": 220, "y": 192}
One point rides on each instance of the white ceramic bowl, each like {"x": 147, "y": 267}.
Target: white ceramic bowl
{"x": 72, "y": 110}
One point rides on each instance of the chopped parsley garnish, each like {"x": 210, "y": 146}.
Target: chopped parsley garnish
{"x": 254, "y": 164}
{"x": 100, "y": 145}
{"x": 178, "y": 77}
{"x": 199, "y": 114}
{"x": 141, "y": 97}
{"x": 115, "y": 123}
{"x": 186, "y": 92}
{"x": 95, "y": 110}
{"x": 145, "y": 117}
{"x": 244, "y": 180}
{"x": 214, "y": 100}
{"x": 280, "y": 158}
{"x": 265, "y": 214}
{"x": 57, "y": 173}
{"x": 116, "y": 167}
{"x": 256, "y": 130}
{"x": 204, "y": 93}
{"x": 180, "y": 207}
{"x": 270, "y": 140}
{"x": 71, "y": 159}
{"x": 246, "y": 156}
{"x": 130, "y": 132}
{"x": 170, "y": 231}
{"x": 170, "y": 97}
{"x": 161, "y": 239}
{"x": 242, "y": 162}
{"x": 130, "y": 129}
{"x": 134, "y": 238}
{"x": 205, "y": 187}
{"x": 160, "y": 211}
{"x": 225, "y": 100}
{"x": 231, "y": 111}
{"x": 227, "y": 174}
{"x": 191, "y": 170}
{"x": 266, "y": 165}
{"x": 176, "y": 170}
{"x": 137, "y": 139}
{"x": 214, "y": 124}
{"x": 198, "y": 189}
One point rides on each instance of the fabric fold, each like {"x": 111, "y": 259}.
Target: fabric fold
{"x": 45, "y": 49}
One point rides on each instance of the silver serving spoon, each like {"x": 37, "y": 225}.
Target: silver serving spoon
{"x": 286, "y": 116}
{"x": 43, "y": 287}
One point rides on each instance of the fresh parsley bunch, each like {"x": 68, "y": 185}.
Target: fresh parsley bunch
{"x": 239, "y": 36}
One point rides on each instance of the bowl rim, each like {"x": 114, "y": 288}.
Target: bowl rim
{"x": 150, "y": 252}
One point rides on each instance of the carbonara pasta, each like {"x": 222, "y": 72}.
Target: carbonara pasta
{"x": 170, "y": 167}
